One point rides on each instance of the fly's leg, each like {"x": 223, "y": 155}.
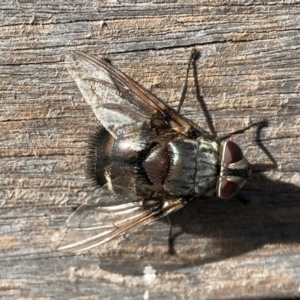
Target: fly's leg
{"x": 171, "y": 250}
{"x": 195, "y": 132}
{"x": 195, "y": 54}
{"x": 172, "y": 237}
{"x": 261, "y": 124}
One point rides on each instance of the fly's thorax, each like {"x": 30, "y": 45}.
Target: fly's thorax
{"x": 179, "y": 179}
{"x": 234, "y": 172}
{"x": 207, "y": 170}
{"x": 185, "y": 168}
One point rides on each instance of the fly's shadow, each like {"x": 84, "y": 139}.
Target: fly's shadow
{"x": 238, "y": 228}
{"x": 264, "y": 212}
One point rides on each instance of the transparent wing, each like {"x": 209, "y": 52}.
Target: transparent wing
{"x": 120, "y": 104}
{"x": 126, "y": 111}
{"x": 91, "y": 226}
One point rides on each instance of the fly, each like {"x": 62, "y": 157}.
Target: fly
{"x": 148, "y": 160}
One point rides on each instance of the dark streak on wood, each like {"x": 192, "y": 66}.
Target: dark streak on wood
{"x": 248, "y": 70}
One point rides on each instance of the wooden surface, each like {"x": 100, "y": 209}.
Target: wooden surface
{"x": 249, "y": 70}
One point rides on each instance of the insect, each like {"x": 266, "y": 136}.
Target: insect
{"x": 148, "y": 160}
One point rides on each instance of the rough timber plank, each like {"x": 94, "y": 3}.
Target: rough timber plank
{"x": 248, "y": 70}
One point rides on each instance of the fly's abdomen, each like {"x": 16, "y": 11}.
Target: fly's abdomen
{"x": 117, "y": 160}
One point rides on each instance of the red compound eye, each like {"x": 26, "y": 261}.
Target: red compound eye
{"x": 227, "y": 189}
{"x": 231, "y": 153}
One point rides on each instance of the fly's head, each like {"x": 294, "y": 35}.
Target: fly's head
{"x": 235, "y": 170}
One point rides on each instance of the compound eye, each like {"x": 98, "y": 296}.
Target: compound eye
{"x": 227, "y": 189}
{"x": 231, "y": 153}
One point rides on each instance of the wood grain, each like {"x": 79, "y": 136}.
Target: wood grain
{"x": 248, "y": 70}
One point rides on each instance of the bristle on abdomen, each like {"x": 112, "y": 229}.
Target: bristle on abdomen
{"x": 98, "y": 160}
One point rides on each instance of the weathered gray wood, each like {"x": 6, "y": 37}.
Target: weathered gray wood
{"x": 248, "y": 70}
